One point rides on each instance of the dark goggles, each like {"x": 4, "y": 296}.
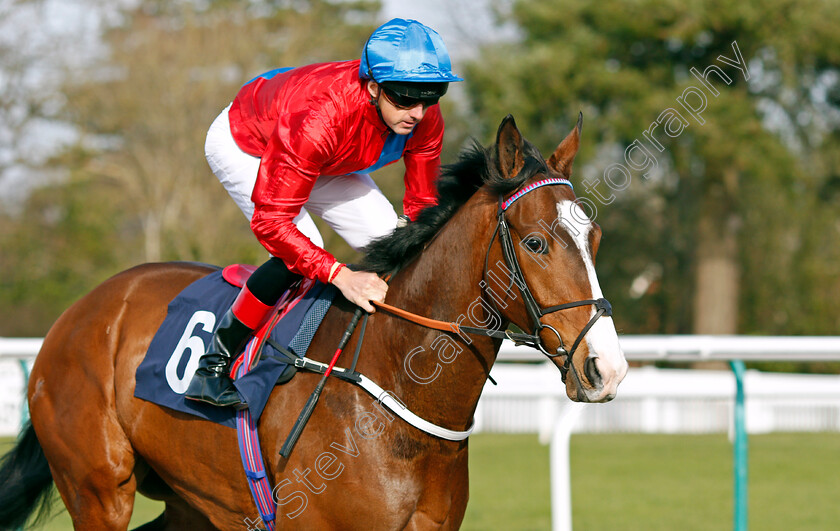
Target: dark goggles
{"x": 406, "y": 95}
{"x": 401, "y": 101}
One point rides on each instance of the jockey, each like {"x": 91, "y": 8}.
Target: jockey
{"x": 300, "y": 140}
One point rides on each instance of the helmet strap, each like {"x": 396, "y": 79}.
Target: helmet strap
{"x": 374, "y": 100}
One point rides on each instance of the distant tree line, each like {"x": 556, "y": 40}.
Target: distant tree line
{"x": 710, "y": 151}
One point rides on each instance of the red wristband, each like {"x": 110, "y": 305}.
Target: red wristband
{"x": 335, "y": 273}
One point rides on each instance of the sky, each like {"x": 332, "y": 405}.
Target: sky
{"x": 463, "y": 24}
{"x": 39, "y": 40}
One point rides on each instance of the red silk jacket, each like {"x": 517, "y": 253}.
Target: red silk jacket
{"x": 318, "y": 120}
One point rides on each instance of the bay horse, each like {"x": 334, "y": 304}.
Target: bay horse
{"x": 355, "y": 466}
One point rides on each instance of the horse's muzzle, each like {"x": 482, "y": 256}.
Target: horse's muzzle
{"x": 601, "y": 380}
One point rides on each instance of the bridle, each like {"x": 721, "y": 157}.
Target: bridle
{"x": 535, "y": 312}
{"x": 532, "y": 307}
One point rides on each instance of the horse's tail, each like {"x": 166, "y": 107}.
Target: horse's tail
{"x": 25, "y": 481}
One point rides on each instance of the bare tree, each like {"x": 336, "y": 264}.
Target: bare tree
{"x": 145, "y": 111}
{"x": 39, "y": 40}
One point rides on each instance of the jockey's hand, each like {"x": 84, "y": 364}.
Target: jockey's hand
{"x": 361, "y": 287}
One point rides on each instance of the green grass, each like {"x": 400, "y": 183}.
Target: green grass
{"x": 145, "y": 509}
{"x": 640, "y": 482}
{"x": 657, "y": 482}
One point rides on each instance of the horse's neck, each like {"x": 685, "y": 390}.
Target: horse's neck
{"x": 440, "y": 375}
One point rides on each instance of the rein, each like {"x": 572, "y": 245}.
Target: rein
{"x": 535, "y": 312}
{"x": 533, "y": 339}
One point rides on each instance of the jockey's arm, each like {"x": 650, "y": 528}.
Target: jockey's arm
{"x": 284, "y": 185}
{"x": 422, "y": 163}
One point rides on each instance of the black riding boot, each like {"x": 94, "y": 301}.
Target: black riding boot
{"x": 211, "y": 382}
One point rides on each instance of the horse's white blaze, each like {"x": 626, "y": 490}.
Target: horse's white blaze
{"x": 602, "y": 338}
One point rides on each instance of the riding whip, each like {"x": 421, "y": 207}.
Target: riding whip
{"x": 301, "y": 421}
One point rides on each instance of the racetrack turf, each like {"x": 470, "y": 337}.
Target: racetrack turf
{"x": 639, "y": 482}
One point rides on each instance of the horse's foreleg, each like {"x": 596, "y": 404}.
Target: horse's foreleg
{"x": 445, "y": 509}
{"x": 178, "y": 516}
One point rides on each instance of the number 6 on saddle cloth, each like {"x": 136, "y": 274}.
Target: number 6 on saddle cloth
{"x": 173, "y": 354}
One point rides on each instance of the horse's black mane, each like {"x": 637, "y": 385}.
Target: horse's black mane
{"x": 476, "y": 167}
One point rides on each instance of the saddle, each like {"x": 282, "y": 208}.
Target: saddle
{"x": 163, "y": 375}
{"x": 173, "y": 354}
{"x": 237, "y": 275}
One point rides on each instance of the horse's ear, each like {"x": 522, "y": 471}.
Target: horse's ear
{"x": 509, "y": 147}
{"x": 562, "y": 158}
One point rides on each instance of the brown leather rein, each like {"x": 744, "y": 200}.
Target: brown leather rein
{"x": 602, "y": 306}
{"x": 419, "y": 319}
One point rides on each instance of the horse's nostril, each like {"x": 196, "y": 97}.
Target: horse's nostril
{"x": 590, "y": 369}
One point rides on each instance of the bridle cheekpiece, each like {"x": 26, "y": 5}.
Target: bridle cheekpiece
{"x": 535, "y": 312}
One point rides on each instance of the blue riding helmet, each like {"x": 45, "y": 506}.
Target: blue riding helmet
{"x": 406, "y": 55}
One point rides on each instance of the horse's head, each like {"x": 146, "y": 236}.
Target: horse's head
{"x": 541, "y": 268}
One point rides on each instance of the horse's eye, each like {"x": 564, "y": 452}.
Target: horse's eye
{"x": 535, "y": 245}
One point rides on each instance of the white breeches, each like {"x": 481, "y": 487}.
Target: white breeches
{"x": 351, "y": 204}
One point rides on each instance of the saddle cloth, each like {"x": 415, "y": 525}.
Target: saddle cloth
{"x": 172, "y": 357}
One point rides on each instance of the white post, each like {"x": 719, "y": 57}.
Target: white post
{"x": 561, "y": 483}
{"x": 547, "y": 407}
